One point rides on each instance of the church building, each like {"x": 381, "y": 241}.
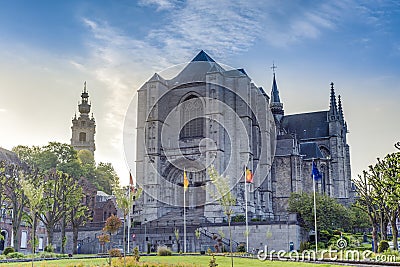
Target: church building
{"x": 209, "y": 115}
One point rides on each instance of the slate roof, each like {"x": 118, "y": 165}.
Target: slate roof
{"x": 307, "y": 125}
{"x": 202, "y": 56}
{"x": 310, "y": 150}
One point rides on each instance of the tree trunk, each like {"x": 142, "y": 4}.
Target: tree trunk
{"x": 63, "y": 237}
{"x": 375, "y": 236}
{"x": 74, "y": 239}
{"x": 15, "y": 237}
{"x": 50, "y": 234}
{"x": 33, "y": 238}
{"x": 395, "y": 232}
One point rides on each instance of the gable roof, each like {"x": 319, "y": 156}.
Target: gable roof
{"x": 307, "y": 125}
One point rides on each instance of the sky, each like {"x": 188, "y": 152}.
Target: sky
{"x": 48, "y": 49}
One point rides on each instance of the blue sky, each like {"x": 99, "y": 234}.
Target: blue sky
{"x": 49, "y": 48}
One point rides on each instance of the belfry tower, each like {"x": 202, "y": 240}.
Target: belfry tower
{"x": 83, "y": 127}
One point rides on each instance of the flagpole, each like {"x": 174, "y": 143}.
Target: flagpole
{"x": 184, "y": 220}
{"x": 184, "y": 217}
{"x": 129, "y": 216}
{"x": 315, "y": 215}
{"x": 245, "y": 199}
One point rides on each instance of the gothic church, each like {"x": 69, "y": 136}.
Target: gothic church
{"x": 211, "y": 115}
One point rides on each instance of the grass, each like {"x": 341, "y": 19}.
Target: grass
{"x": 195, "y": 260}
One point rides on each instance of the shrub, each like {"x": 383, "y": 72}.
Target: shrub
{"x": 304, "y": 246}
{"x": 163, "y": 251}
{"x": 239, "y": 218}
{"x": 136, "y": 254}
{"x": 383, "y": 246}
{"x": 49, "y": 248}
{"x": 115, "y": 252}
{"x": 15, "y": 255}
{"x": 8, "y": 250}
{"x": 241, "y": 248}
{"x": 213, "y": 262}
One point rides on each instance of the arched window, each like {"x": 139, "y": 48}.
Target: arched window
{"x": 192, "y": 118}
{"x": 82, "y": 137}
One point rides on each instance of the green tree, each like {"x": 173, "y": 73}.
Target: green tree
{"x": 225, "y": 198}
{"x": 61, "y": 193}
{"x": 35, "y": 195}
{"x": 14, "y": 195}
{"x": 105, "y": 177}
{"x": 125, "y": 198}
{"x": 367, "y": 201}
{"x": 330, "y": 214}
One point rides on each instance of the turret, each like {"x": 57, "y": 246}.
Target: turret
{"x": 333, "y": 110}
{"x": 276, "y": 105}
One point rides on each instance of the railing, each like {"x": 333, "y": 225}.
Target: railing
{"x": 224, "y": 240}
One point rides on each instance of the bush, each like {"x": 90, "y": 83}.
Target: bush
{"x": 383, "y": 246}
{"x": 213, "y": 262}
{"x": 49, "y": 248}
{"x": 163, "y": 251}
{"x": 239, "y": 218}
{"x": 115, "y": 252}
{"x": 304, "y": 246}
{"x": 15, "y": 255}
{"x": 136, "y": 254}
{"x": 8, "y": 250}
{"x": 241, "y": 248}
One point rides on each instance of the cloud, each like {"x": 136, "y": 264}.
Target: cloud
{"x": 160, "y": 4}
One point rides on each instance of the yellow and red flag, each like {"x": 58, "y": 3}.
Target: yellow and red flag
{"x": 249, "y": 175}
{"x": 185, "y": 180}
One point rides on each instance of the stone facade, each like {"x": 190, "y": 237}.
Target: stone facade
{"x": 84, "y": 127}
{"x": 207, "y": 115}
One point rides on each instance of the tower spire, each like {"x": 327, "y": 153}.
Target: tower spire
{"x": 276, "y": 104}
{"x": 333, "y": 111}
{"x": 340, "y": 109}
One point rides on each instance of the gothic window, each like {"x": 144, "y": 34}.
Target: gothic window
{"x": 83, "y": 123}
{"x": 82, "y": 137}
{"x": 192, "y": 118}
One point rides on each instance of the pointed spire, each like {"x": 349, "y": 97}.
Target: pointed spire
{"x": 333, "y": 112}
{"x": 276, "y": 105}
{"x": 340, "y": 109}
{"x": 84, "y": 87}
{"x": 275, "y": 92}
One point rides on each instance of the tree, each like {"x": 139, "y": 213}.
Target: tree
{"x": 111, "y": 226}
{"x": 35, "y": 196}
{"x": 330, "y": 214}
{"x": 15, "y": 196}
{"x": 379, "y": 195}
{"x": 225, "y": 198}
{"x": 106, "y": 177}
{"x": 125, "y": 198}
{"x": 368, "y": 202}
{"x": 61, "y": 193}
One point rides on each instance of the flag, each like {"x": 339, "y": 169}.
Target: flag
{"x": 316, "y": 175}
{"x": 131, "y": 187}
{"x": 185, "y": 181}
{"x": 249, "y": 175}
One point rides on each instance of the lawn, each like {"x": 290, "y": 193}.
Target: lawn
{"x": 195, "y": 260}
